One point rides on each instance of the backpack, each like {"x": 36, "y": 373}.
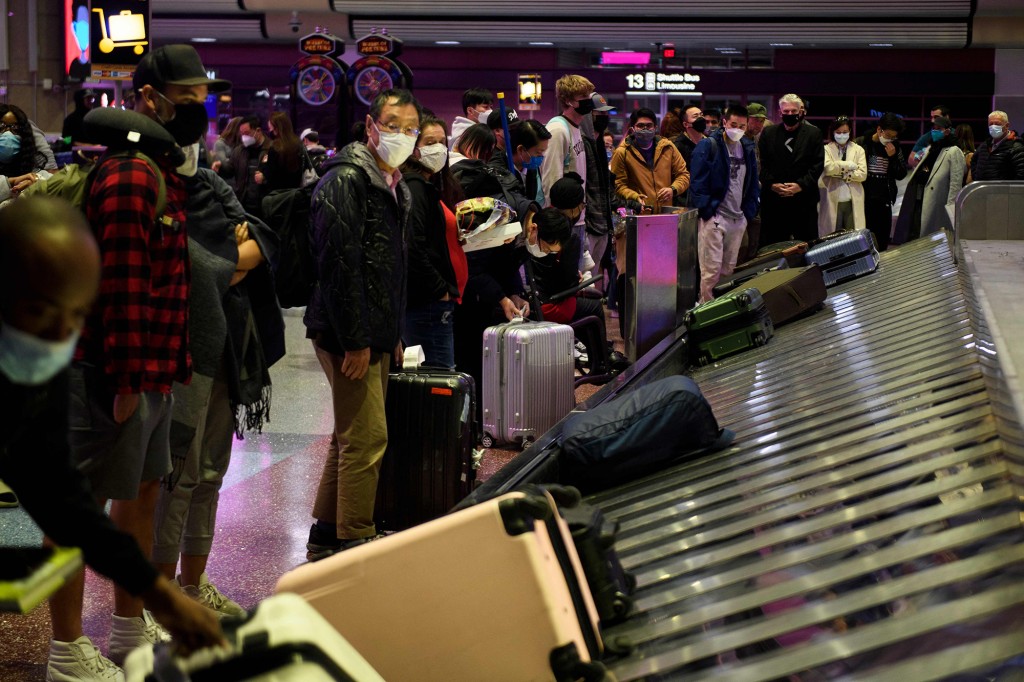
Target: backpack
{"x": 73, "y": 182}
{"x": 286, "y": 211}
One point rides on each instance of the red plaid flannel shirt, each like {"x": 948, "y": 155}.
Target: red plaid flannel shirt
{"x": 138, "y": 329}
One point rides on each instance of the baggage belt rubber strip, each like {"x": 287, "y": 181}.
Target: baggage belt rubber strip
{"x": 678, "y": 565}
{"x": 732, "y": 527}
{"x": 693, "y": 584}
{"x": 750, "y": 461}
{"x": 796, "y": 660}
{"x": 777, "y": 487}
{"x": 944, "y": 664}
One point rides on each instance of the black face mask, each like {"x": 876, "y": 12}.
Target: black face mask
{"x": 189, "y": 124}
{"x": 584, "y": 107}
{"x": 600, "y": 124}
{"x": 791, "y": 119}
{"x": 700, "y": 125}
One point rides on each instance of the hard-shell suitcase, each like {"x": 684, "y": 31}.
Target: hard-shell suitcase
{"x": 729, "y": 324}
{"x": 790, "y": 293}
{"x": 793, "y": 251}
{"x": 283, "y": 640}
{"x": 430, "y": 463}
{"x": 744, "y": 275}
{"x": 493, "y": 592}
{"x": 528, "y": 380}
{"x": 848, "y": 255}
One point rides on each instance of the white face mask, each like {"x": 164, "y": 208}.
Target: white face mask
{"x": 394, "y": 148}
{"x": 191, "y": 165}
{"x": 31, "y": 361}
{"x": 735, "y": 134}
{"x": 434, "y": 156}
{"x": 534, "y": 250}
{"x": 248, "y": 140}
{"x": 883, "y": 139}
{"x": 995, "y": 131}
{"x": 842, "y": 138}
{"x": 482, "y": 116}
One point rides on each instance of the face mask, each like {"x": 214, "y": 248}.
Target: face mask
{"x": 841, "y": 138}
{"x": 394, "y": 148}
{"x": 791, "y": 119}
{"x": 700, "y": 125}
{"x": 609, "y": 152}
{"x": 735, "y": 134}
{"x": 248, "y": 140}
{"x": 643, "y": 138}
{"x": 191, "y": 165}
{"x": 534, "y": 163}
{"x": 534, "y": 250}
{"x": 937, "y": 135}
{"x": 882, "y": 139}
{"x": 188, "y": 124}
{"x": 995, "y": 131}
{"x": 10, "y": 145}
{"x": 584, "y": 107}
{"x": 482, "y": 116}
{"x": 31, "y": 361}
{"x": 434, "y": 156}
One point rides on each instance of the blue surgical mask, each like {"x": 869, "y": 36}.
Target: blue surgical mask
{"x": 534, "y": 163}
{"x": 30, "y": 361}
{"x": 10, "y": 145}
{"x": 938, "y": 135}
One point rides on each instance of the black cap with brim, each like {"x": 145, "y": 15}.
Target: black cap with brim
{"x": 175, "y": 65}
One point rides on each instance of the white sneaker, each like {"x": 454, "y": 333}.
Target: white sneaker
{"x": 80, "y": 660}
{"x": 588, "y": 261}
{"x": 210, "y": 597}
{"x": 127, "y": 634}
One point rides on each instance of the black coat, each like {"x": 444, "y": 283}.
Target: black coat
{"x": 431, "y": 274}
{"x": 803, "y": 166}
{"x": 359, "y": 236}
{"x": 1004, "y": 162}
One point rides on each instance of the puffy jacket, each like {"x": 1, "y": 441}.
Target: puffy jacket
{"x": 634, "y": 177}
{"x": 431, "y": 274}
{"x": 1004, "y": 162}
{"x": 710, "y": 180}
{"x": 359, "y": 237}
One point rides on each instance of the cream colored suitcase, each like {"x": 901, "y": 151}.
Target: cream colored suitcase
{"x": 493, "y": 592}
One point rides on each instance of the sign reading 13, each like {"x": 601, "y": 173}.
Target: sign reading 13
{"x": 635, "y": 80}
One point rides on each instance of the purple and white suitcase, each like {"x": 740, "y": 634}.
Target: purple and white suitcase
{"x": 845, "y": 256}
{"x": 528, "y": 378}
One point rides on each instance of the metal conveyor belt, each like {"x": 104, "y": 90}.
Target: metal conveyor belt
{"x": 867, "y": 522}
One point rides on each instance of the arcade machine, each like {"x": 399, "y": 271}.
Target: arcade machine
{"x": 318, "y": 88}
{"x": 377, "y": 69}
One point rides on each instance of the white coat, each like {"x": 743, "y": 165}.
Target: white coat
{"x": 944, "y": 183}
{"x": 853, "y": 171}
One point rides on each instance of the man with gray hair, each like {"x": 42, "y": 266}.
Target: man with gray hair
{"x": 1001, "y": 157}
{"x": 792, "y": 160}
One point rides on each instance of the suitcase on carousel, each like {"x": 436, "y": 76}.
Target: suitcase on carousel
{"x": 793, "y": 251}
{"x": 493, "y": 592}
{"x": 729, "y": 324}
{"x": 744, "y": 275}
{"x": 845, "y": 256}
{"x": 790, "y": 293}
{"x": 528, "y": 380}
{"x": 431, "y": 460}
{"x": 283, "y": 640}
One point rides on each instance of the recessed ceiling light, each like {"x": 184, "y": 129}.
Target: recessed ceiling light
{"x": 204, "y": 40}
{"x": 726, "y": 49}
{"x": 542, "y": 44}
{"x": 879, "y": 44}
{"x": 447, "y": 42}
{"x": 781, "y": 44}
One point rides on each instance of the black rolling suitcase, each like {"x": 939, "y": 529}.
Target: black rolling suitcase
{"x": 431, "y": 462}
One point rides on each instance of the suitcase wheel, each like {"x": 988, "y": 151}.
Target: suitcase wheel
{"x": 703, "y": 359}
{"x": 487, "y": 441}
{"x": 758, "y": 339}
{"x": 743, "y": 299}
{"x": 623, "y": 605}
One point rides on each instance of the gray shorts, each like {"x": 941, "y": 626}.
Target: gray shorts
{"x": 116, "y": 458}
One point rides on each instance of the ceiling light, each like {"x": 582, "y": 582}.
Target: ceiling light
{"x": 542, "y": 44}
{"x": 726, "y": 49}
{"x": 781, "y": 44}
{"x": 447, "y": 42}
{"x": 204, "y": 40}
{"x": 879, "y": 44}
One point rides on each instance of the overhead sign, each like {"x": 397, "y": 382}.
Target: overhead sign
{"x": 529, "y": 92}
{"x": 374, "y": 46}
{"x": 652, "y": 81}
{"x": 318, "y": 43}
{"x": 76, "y": 38}
{"x": 118, "y": 37}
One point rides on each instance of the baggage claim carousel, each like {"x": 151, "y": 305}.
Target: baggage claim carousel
{"x": 866, "y": 524}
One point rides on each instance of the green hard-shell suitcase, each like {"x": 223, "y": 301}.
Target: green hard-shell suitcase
{"x": 730, "y": 324}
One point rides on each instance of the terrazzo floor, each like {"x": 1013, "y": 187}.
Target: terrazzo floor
{"x": 263, "y": 518}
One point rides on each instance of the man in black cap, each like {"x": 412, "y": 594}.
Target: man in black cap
{"x": 134, "y": 344}
{"x": 85, "y": 101}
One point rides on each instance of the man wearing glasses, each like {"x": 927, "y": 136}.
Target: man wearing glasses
{"x": 649, "y": 171}
{"x": 359, "y": 217}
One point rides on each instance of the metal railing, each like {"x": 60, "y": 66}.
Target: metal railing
{"x": 989, "y": 209}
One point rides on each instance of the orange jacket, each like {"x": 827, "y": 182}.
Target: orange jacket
{"x": 633, "y": 177}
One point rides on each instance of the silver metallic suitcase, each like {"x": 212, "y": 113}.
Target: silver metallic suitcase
{"x": 844, "y": 256}
{"x": 527, "y": 380}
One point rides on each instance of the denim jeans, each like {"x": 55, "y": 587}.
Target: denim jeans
{"x": 430, "y": 326}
